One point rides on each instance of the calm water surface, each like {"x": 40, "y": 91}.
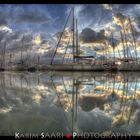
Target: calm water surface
{"x": 67, "y": 102}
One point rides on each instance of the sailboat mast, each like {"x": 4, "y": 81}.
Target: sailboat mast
{"x": 73, "y": 36}
{"x": 4, "y": 50}
{"x": 113, "y": 45}
{"x": 125, "y": 41}
{"x": 21, "y": 55}
{"x": 134, "y": 39}
{"x": 55, "y": 51}
{"x": 77, "y": 47}
{"x": 123, "y": 45}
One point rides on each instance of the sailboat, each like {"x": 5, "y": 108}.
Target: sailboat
{"x": 79, "y": 62}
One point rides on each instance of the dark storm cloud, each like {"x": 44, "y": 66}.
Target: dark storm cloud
{"x": 15, "y": 14}
{"x": 32, "y": 16}
{"x": 3, "y": 21}
{"x": 121, "y": 16}
{"x": 93, "y": 15}
{"x": 89, "y": 36}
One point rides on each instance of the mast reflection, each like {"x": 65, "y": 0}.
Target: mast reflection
{"x": 111, "y": 96}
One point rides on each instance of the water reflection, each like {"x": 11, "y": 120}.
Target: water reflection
{"x": 67, "y": 102}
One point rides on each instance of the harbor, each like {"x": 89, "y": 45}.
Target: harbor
{"x": 70, "y": 57}
{"x": 75, "y": 72}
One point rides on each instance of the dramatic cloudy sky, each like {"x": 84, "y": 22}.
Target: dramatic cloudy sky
{"x": 36, "y": 27}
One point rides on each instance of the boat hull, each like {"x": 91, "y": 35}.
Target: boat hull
{"x": 75, "y": 68}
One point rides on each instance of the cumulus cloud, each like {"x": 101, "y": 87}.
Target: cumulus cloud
{"x": 94, "y": 121}
{"x": 120, "y": 19}
{"x": 89, "y": 36}
{"x": 118, "y": 7}
{"x": 107, "y": 6}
